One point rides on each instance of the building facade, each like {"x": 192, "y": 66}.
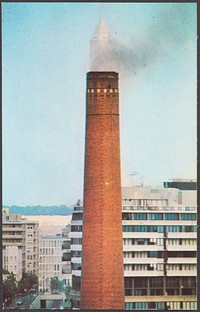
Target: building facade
{"x": 20, "y": 243}
{"x": 55, "y": 259}
{"x": 159, "y": 248}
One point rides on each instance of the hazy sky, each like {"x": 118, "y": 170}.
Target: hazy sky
{"x": 46, "y": 50}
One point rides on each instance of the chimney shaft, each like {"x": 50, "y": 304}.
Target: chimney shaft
{"x": 102, "y": 282}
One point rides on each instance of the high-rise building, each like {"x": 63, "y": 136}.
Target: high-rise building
{"x": 102, "y": 255}
{"x": 159, "y": 248}
{"x": 20, "y": 244}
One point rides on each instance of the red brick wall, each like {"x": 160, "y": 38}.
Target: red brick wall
{"x": 102, "y": 282}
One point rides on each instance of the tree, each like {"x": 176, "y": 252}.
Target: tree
{"x": 9, "y": 288}
{"x": 55, "y": 284}
{"x": 28, "y": 281}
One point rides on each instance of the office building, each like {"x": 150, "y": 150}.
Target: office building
{"x": 159, "y": 248}
{"x": 55, "y": 258}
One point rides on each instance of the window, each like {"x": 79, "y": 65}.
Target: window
{"x": 77, "y": 216}
{"x": 155, "y": 216}
{"x": 141, "y": 242}
{"x": 140, "y": 216}
{"x": 160, "y": 228}
{"x": 76, "y": 228}
{"x": 126, "y": 216}
{"x": 188, "y": 216}
{"x": 171, "y": 216}
{"x": 152, "y": 254}
{"x": 76, "y": 241}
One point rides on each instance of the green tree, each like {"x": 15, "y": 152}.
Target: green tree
{"x": 9, "y": 289}
{"x": 28, "y": 281}
{"x": 55, "y": 284}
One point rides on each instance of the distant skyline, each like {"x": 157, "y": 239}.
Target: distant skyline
{"x": 46, "y": 49}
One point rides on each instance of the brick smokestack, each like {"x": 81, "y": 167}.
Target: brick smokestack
{"x": 102, "y": 281}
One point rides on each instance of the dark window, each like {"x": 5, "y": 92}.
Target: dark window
{"x": 76, "y": 241}
{"x": 128, "y": 282}
{"x": 171, "y": 216}
{"x": 76, "y": 253}
{"x": 152, "y": 254}
{"x": 76, "y": 266}
{"x": 77, "y": 216}
{"x": 126, "y": 216}
{"x": 155, "y": 216}
{"x": 76, "y": 228}
{"x": 140, "y": 216}
{"x": 66, "y": 256}
{"x": 141, "y": 242}
{"x": 76, "y": 282}
{"x": 140, "y": 282}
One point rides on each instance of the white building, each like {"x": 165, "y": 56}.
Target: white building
{"x": 160, "y": 245}
{"x": 159, "y": 233}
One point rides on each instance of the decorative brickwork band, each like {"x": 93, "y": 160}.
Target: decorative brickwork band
{"x": 102, "y": 281}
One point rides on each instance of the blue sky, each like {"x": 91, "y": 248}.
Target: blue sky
{"x": 46, "y": 50}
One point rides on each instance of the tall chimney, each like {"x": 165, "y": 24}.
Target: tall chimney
{"x": 102, "y": 281}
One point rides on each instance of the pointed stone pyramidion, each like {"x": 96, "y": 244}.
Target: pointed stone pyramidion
{"x": 101, "y": 55}
{"x": 101, "y": 33}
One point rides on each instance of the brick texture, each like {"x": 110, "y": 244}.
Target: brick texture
{"x": 102, "y": 281}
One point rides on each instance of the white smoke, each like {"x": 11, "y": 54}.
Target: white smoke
{"x": 170, "y": 29}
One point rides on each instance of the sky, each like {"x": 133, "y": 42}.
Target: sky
{"x": 45, "y": 58}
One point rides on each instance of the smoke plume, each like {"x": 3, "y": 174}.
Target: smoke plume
{"x": 168, "y": 30}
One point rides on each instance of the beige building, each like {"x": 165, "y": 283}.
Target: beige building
{"x": 20, "y": 244}
{"x": 55, "y": 257}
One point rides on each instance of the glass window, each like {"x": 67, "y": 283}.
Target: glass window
{"x": 188, "y": 216}
{"x": 171, "y": 216}
{"x": 140, "y": 216}
{"x": 155, "y": 216}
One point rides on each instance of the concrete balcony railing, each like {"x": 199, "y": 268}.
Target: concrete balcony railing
{"x": 12, "y": 244}
{"x": 11, "y": 236}
{"x": 75, "y": 234}
{"x": 76, "y": 259}
{"x": 177, "y": 235}
{"x": 142, "y": 248}
{"x": 143, "y": 260}
{"x": 15, "y": 229}
{"x": 76, "y": 247}
{"x": 159, "y": 222}
{"x": 142, "y": 235}
{"x": 182, "y": 260}
{"x": 181, "y": 272}
{"x": 182, "y": 247}
{"x": 76, "y": 272}
{"x": 76, "y": 222}
{"x": 143, "y": 273}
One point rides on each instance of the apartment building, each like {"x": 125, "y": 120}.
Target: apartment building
{"x": 159, "y": 247}
{"x": 55, "y": 258}
{"x": 32, "y": 247}
{"x": 160, "y": 244}
{"x": 20, "y": 244}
